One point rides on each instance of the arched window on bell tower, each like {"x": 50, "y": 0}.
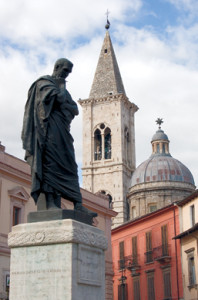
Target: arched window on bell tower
{"x": 107, "y": 143}
{"x": 102, "y": 142}
{"x": 97, "y": 145}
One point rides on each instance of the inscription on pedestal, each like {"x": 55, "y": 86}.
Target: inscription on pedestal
{"x": 36, "y": 274}
{"x": 89, "y": 266}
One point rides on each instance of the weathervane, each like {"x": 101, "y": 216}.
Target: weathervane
{"x": 159, "y": 121}
{"x": 108, "y": 23}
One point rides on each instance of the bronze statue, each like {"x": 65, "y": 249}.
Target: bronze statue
{"x": 47, "y": 140}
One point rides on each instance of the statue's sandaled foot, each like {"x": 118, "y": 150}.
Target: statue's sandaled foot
{"x": 79, "y": 207}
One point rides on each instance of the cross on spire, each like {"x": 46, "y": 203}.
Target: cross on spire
{"x": 108, "y": 23}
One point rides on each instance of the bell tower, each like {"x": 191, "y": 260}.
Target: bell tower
{"x": 108, "y": 134}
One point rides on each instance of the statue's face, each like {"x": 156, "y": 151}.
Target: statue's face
{"x": 64, "y": 70}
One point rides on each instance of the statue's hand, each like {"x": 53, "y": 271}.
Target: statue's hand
{"x": 61, "y": 96}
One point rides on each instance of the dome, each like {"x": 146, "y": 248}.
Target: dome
{"x": 162, "y": 168}
{"x": 159, "y": 135}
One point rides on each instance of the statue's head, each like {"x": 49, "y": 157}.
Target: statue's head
{"x": 62, "y": 68}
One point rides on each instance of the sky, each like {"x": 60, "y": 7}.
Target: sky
{"x": 156, "y": 45}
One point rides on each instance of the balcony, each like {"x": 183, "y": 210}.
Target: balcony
{"x": 162, "y": 253}
{"x": 149, "y": 256}
{"x": 128, "y": 262}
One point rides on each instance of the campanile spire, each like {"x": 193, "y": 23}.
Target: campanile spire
{"x": 107, "y": 80}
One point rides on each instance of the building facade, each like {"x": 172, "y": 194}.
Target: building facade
{"x": 146, "y": 258}
{"x": 108, "y": 134}
{"x": 16, "y": 203}
{"x": 189, "y": 245}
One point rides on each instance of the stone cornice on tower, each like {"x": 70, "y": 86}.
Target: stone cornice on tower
{"x": 107, "y": 79}
{"x": 112, "y": 98}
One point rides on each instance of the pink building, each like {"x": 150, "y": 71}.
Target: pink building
{"x": 146, "y": 258}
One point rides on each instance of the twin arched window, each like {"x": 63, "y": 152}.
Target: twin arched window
{"x": 102, "y": 142}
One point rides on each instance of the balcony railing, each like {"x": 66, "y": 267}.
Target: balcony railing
{"x": 162, "y": 252}
{"x": 128, "y": 262}
{"x": 148, "y": 256}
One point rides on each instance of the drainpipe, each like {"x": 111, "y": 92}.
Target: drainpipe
{"x": 176, "y": 251}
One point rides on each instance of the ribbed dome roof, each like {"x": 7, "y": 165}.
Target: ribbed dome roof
{"x": 161, "y": 168}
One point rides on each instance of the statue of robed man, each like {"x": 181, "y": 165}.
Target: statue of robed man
{"x": 47, "y": 139}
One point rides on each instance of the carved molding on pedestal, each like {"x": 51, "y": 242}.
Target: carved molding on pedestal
{"x": 72, "y": 232}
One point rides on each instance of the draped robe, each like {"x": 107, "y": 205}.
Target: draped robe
{"x": 47, "y": 140}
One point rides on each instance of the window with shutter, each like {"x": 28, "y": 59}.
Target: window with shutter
{"x": 164, "y": 233}
{"x": 151, "y": 286}
{"x": 136, "y": 288}
{"x": 134, "y": 250}
{"x": 149, "y": 252}
{"x": 167, "y": 283}
{"x": 121, "y": 247}
{"x": 122, "y": 292}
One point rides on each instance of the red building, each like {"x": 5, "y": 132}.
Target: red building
{"x": 146, "y": 258}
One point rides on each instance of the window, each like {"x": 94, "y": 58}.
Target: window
{"x": 18, "y": 199}
{"x": 149, "y": 252}
{"x": 191, "y": 270}
{"x": 191, "y": 267}
{"x": 150, "y": 286}
{"x": 164, "y": 234}
{"x": 134, "y": 250}
{"x": 102, "y": 142}
{"x": 192, "y": 215}
{"x": 152, "y": 207}
{"x": 16, "y": 216}
{"x": 136, "y": 288}
{"x": 121, "y": 249}
{"x": 133, "y": 212}
{"x": 167, "y": 283}
{"x": 122, "y": 292}
{"x": 107, "y": 137}
{"x": 127, "y": 144}
{"x": 97, "y": 145}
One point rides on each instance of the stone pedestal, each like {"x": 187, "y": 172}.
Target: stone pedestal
{"x": 57, "y": 260}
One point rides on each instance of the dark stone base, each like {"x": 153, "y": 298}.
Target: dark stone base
{"x": 59, "y": 214}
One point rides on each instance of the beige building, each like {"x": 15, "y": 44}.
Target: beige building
{"x": 189, "y": 245}
{"x": 160, "y": 180}
{"x": 108, "y": 134}
{"x": 16, "y": 203}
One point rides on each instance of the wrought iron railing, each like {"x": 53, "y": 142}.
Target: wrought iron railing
{"x": 148, "y": 256}
{"x": 128, "y": 262}
{"x": 162, "y": 251}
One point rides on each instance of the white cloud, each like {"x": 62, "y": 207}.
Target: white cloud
{"x": 159, "y": 71}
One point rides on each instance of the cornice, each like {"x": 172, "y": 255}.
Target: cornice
{"x": 13, "y": 172}
{"x": 113, "y": 164}
{"x": 109, "y": 99}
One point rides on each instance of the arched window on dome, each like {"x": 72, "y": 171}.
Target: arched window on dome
{"x": 158, "y": 148}
{"x": 163, "y": 148}
{"x": 97, "y": 145}
{"x": 133, "y": 212}
{"x": 107, "y": 143}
